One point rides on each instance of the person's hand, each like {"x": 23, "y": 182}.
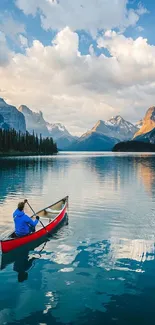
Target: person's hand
{"x": 25, "y": 201}
{"x": 37, "y": 217}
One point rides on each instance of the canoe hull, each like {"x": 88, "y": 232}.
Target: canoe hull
{"x": 10, "y": 244}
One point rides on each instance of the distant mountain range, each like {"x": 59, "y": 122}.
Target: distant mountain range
{"x": 103, "y": 136}
{"x": 60, "y": 135}
{"x": 94, "y": 141}
{"x": 35, "y": 123}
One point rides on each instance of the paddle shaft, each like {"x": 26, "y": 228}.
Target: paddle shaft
{"x": 35, "y": 215}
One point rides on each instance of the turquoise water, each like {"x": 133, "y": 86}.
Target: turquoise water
{"x": 98, "y": 269}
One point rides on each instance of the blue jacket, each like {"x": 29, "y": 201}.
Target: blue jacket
{"x": 22, "y": 222}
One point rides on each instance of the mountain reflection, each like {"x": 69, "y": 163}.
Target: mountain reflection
{"x": 21, "y": 174}
{"x": 146, "y": 174}
{"x": 100, "y": 268}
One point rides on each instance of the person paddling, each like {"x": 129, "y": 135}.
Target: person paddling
{"x": 24, "y": 225}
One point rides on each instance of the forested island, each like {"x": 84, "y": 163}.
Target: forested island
{"x": 14, "y": 143}
{"x": 134, "y": 146}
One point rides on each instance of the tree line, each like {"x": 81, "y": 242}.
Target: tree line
{"x": 13, "y": 141}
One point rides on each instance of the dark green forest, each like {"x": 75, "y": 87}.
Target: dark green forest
{"x": 13, "y": 141}
{"x": 134, "y": 146}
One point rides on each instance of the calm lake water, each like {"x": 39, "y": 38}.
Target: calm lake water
{"x": 98, "y": 269}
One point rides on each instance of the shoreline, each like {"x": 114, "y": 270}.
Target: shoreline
{"x": 24, "y": 154}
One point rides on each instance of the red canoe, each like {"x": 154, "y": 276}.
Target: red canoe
{"x": 51, "y": 217}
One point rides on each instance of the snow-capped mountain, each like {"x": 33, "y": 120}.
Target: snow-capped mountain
{"x": 105, "y": 134}
{"x": 139, "y": 124}
{"x": 124, "y": 130}
{"x": 115, "y": 127}
{"x": 57, "y": 129}
{"x": 60, "y": 135}
{"x": 100, "y": 127}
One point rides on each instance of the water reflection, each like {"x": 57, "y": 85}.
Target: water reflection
{"x": 22, "y": 265}
{"x": 102, "y": 284}
{"x": 101, "y": 267}
{"x": 21, "y": 258}
{"x": 122, "y": 170}
{"x": 21, "y": 175}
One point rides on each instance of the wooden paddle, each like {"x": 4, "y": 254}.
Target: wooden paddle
{"x": 36, "y": 215}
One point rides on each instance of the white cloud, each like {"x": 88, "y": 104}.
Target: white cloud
{"x": 78, "y": 89}
{"x": 88, "y": 15}
{"x": 66, "y": 44}
{"x": 10, "y": 27}
{"x": 4, "y": 52}
{"x": 136, "y": 58}
{"x": 142, "y": 10}
{"x": 23, "y": 41}
{"x": 140, "y": 28}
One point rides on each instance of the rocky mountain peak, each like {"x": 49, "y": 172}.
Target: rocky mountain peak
{"x": 34, "y": 121}
{"x": 148, "y": 123}
{"x": 150, "y": 114}
{"x": 117, "y": 118}
{"x": 116, "y": 127}
{"x": 139, "y": 124}
{"x": 2, "y": 100}
{"x": 24, "y": 109}
{"x": 57, "y": 129}
{"x": 60, "y": 135}
{"x": 100, "y": 126}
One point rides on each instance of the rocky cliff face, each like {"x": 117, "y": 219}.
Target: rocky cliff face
{"x": 12, "y": 118}
{"x": 139, "y": 124}
{"x": 148, "y": 122}
{"x": 34, "y": 121}
{"x": 148, "y": 137}
{"x": 3, "y": 125}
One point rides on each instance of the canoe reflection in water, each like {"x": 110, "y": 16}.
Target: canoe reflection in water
{"x": 22, "y": 258}
{"x": 22, "y": 265}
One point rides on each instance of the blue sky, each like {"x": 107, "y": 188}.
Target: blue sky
{"x": 34, "y": 29}
{"x": 78, "y": 61}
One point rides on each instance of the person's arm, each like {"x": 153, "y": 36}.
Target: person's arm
{"x": 30, "y": 221}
